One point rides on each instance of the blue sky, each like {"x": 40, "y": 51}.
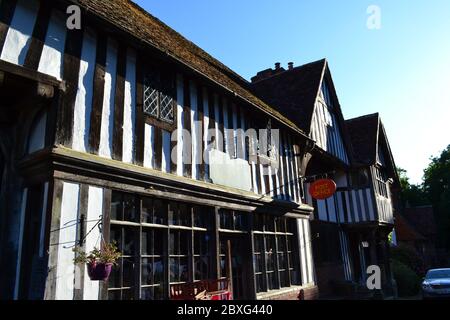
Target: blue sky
{"x": 401, "y": 71}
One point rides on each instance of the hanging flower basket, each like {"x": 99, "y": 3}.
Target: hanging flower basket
{"x": 99, "y": 271}
{"x": 99, "y": 261}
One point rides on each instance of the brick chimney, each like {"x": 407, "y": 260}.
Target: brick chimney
{"x": 268, "y": 72}
{"x": 290, "y": 65}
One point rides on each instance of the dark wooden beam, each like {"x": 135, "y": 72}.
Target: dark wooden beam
{"x": 53, "y": 239}
{"x": 98, "y": 94}
{"x": 139, "y": 134}
{"x": 119, "y": 102}
{"x": 38, "y": 38}
{"x": 105, "y": 229}
{"x": 230, "y": 132}
{"x": 81, "y": 230}
{"x": 28, "y": 74}
{"x": 71, "y": 68}
{"x": 216, "y": 244}
{"x": 201, "y": 120}
{"x": 6, "y": 14}
{"x": 187, "y": 149}
{"x": 2, "y": 78}
{"x": 220, "y": 121}
{"x": 174, "y": 151}
{"x": 158, "y": 145}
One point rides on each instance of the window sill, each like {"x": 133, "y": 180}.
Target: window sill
{"x": 283, "y": 291}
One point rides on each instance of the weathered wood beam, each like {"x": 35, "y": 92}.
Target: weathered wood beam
{"x": 37, "y": 40}
{"x": 119, "y": 103}
{"x": 19, "y": 71}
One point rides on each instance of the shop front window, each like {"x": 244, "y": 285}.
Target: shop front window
{"x": 161, "y": 242}
{"x": 275, "y": 253}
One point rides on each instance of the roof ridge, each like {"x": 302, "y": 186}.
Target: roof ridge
{"x": 130, "y": 18}
{"x": 199, "y": 52}
{"x": 298, "y": 68}
{"x": 366, "y": 116}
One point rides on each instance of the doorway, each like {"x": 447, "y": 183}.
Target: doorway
{"x": 235, "y": 264}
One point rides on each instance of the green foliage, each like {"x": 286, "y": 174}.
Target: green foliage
{"x": 109, "y": 253}
{"x": 411, "y": 194}
{"x": 437, "y": 188}
{"x": 408, "y": 282}
{"x": 409, "y": 257}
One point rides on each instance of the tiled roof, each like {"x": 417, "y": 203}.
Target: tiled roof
{"x": 293, "y": 92}
{"x": 134, "y": 20}
{"x": 363, "y": 133}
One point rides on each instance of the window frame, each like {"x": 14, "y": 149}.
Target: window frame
{"x": 381, "y": 181}
{"x": 145, "y": 223}
{"x": 289, "y": 251}
{"x": 162, "y": 72}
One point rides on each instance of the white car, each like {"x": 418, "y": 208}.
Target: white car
{"x": 436, "y": 284}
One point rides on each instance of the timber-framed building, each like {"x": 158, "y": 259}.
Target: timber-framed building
{"x": 105, "y": 136}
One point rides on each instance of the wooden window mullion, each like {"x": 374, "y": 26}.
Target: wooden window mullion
{"x": 264, "y": 270}
{"x": 277, "y": 265}
{"x": 191, "y": 252}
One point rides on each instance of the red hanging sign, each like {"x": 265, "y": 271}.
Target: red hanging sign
{"x": 322, "y": 189}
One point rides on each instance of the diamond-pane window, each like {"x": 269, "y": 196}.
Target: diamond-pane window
{"x": 166, "y": 108}
{"x": 158, "y": 97}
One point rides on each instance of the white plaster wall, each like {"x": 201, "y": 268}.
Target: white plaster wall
{"x": 271, "y": 186}
{"x": 180, "y": 104}
{"x": 94, "y": 213}
{"x": 194, "y": 130}
{"x": 331, "y": 209}
{"x": 53, "y": 50}
{"x": 322, "y": 210}
{"x": 149, "y": 134}
{"x": 19, "y": 33}
{"x": 83, "y": 101}
{"x": 308, "y": 247}
{"x": 65, "y": 269}
{"x": 206, "y": 121}
{"x": 361, "y": 204}
{"x": 107, "y": 123}
{"x": 129, "y": 115}
{"x": 255, "y": 183}
{"x": 261, "y": 177}
{"x": 302, "y": 249}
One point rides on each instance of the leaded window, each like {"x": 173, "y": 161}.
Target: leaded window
{"x": 159, "y": 92}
